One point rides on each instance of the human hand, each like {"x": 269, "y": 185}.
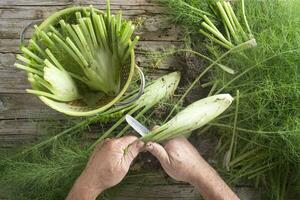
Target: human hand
{"x": 181, "y": 161}
{"x": 179, "y": 158}
{"x": 107, "y": 166}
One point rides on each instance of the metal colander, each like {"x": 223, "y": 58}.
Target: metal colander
{"x": 79, "y": 107}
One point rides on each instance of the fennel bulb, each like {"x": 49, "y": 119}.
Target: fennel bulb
{"x": 57, "y": 81}
{"x": 193, "y": 117}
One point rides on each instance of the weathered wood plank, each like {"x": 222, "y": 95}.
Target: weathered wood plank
{"x": 16, "y": 132}
{"x": 7, "y": 59}
{"x": 15, "y": 18}
{"x": 9, "y": 46}
{"x": 41, "y": 12}
{"x": 155, "y": 28}
{"x": 165, "y": 192}
{"x": 77, "y": 2}
{"x": 169, "y": 192}
{"x": 173, "y": 191}
{"x": 14, "y": 106}
{"x": 154, "y": 192}
{"x": 13, "y": 80}
{"x": 23, "y": 131}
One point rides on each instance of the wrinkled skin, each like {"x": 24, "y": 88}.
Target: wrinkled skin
{"x": 178, "y": 157}
{"x": 182, "y": 161}
{"x": 111, "y": 160}
{"x": 107, "y": 166}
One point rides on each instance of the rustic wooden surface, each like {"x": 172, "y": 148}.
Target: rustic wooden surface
{"x": 21, "y": 112}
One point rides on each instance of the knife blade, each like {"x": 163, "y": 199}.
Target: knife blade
{"x": 136, "y": 125}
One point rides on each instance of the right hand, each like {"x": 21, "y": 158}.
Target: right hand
{"x": 179, "y": 158}
{"x": 182, "y": 162}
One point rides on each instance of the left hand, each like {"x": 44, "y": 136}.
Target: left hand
{"x": 107, "y": 166}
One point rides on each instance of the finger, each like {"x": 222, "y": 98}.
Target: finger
{"x": 126, "y": 140}
{"x": 159, "y": 152}
{"x": 174, "y": 140}
{"x": 133, "y": 150}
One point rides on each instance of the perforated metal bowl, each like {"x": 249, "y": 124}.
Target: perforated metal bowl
{"x": 79, "y": 107}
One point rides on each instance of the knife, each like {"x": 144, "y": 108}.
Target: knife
{"x": 137, "y": 126}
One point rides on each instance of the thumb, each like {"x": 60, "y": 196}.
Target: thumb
{"x": 133, "y": 150}
{"x": 159, "y": 152}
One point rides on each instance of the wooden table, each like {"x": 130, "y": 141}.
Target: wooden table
{"x": 20, "y": 113}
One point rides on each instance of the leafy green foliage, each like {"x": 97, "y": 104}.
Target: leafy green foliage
{"x": 270, "y": 98}
{"x": 50, "y": 174}
{"x": 188, "y": 12}
{"x": 46, "y": 175}
{"x": 260, "y": 141}
{"x": 48, "y": 169}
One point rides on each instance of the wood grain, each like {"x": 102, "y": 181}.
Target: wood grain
{"x": 17, "y": 132}
{"x": 76, "y": 2}
{"x": 155, "y": 28}
{"x": 41, "y": 12}
{"x": 20, "y": 106}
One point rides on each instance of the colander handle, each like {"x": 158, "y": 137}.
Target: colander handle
{"x": 22, "y": 35}
{"x": 141, "y": 91}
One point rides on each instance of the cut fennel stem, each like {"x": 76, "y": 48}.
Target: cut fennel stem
{"x": 162, "y": 88}
{"x": 159, "y": 90}
{"x": 191, "y": 118}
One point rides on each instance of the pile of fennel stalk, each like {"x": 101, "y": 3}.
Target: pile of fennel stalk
{"x": 259, "y": 139}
